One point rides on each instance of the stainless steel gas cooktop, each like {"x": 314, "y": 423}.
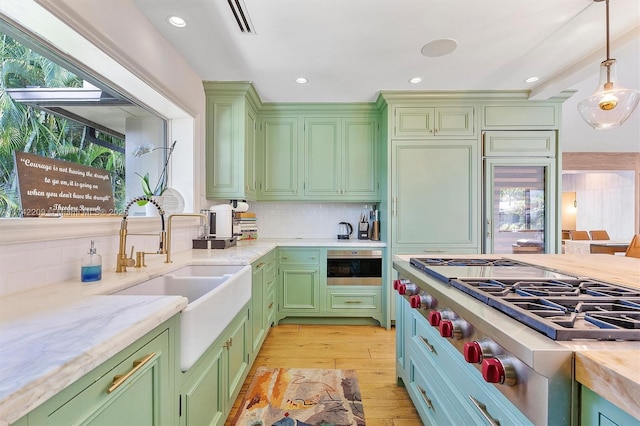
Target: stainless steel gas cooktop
{"x": 562, "y": 307}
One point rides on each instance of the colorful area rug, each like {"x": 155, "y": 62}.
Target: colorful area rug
{"x": 302, "y": 396}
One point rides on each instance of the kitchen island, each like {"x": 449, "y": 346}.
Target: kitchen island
{"x": 52, "y": 336}
{"x": 616, "y": 378}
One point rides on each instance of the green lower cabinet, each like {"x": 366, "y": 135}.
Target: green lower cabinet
{"x": 303, "y": 292}
{"x": 262, "y": 300}
{"x": 442, "y": 386}
{"x": 597, "y": 411}
{"x": 145, "y": 397}
{"x": 209, "y": 389}
{"x": 202, "y": 396}
{"x": 355, "y": 301}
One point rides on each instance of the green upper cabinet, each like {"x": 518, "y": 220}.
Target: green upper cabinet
{"x": 341, "y": 159}
{"x": 421, "y": 122}
{"x": 231, "y": 156}
{"x": 279, "y": 172}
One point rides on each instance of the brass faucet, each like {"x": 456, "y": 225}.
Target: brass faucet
{"x": 168, "y": 251}
{"x": 125, "y": 261}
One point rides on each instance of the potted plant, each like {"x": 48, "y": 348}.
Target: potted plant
{"x": 159, "y": 188}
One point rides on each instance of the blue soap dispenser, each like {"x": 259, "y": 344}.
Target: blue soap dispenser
{"x": 91, "y": 266}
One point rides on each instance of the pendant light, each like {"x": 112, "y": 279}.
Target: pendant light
{"x": 611, "y": 104}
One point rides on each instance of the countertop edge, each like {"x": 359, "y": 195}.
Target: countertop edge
{"x": 607, "y": 374}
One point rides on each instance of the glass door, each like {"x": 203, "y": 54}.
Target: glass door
{"x": 519, "y": 205}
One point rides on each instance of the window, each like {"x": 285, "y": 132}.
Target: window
{"x": 51, "y": 108}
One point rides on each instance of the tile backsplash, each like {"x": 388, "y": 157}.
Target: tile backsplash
{"x": 24, "y": 266}
{"x": 306, "y": 220}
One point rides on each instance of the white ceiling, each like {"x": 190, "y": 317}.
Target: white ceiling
{"x": 349, "y": 50}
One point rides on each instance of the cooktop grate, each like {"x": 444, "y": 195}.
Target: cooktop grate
{"x": 563, "y": 309}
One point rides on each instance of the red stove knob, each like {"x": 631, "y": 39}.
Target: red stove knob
{"x": 456, "y": 328}
{"x": 422, "y": 299}
{"x": 446, "y": 328}
{"x": 472, "y": 352}
{"x": 398, "y": 282}
{"x": 408, "y": 289}
{"x": 499, "y": 370}
{"x": 434, "y": 318}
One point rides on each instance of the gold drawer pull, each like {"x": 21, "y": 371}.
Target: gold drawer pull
{"x": 121, "y": 378}
{"x": 270, "y": 305}
{"x": 259, "y": 265}
{"x": 353, "y": 301}
{"x": 426, "y": 398}
{"x": 428, "y": 345}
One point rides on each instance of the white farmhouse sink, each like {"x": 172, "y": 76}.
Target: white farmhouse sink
{"x": 216, "y": 294}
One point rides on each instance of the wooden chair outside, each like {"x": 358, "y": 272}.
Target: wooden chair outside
{"x": 634, "y": 247}
{"x": 599, "y": 234}
{"x": 579, "y": 235}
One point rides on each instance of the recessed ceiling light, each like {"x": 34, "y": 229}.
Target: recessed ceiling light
{"x": 439, "y": 47}
{"x": 532, "y": 79}
{"x": 415, "y": 80}
{"x": 177, "y": 21}
{"x": 301, "y": 80}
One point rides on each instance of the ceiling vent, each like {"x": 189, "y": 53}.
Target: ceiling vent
{"x": 239, "y": 11}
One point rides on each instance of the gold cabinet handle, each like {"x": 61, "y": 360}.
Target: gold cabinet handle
{"x": 119, "y": 379}
{"x": 270, "y": 305}
{"x": 353, "y": 301}
{"x": 485, "y": 413}
{"x": 260, "y": 265}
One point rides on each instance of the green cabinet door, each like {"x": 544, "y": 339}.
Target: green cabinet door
{"x": 279, "y": 179}
{"x": 360, "y": 159}
{"x": 299, "y": 281}
{"x": 300, "y": 289}
{"x": 230, "y": 154}
{"x": 341, "y": 159}
{"x": 421, "y": 122}
{"x": 259, "y": 307}
{"x": 202, "y": 397}
{"x": 323, "y": 158}
{"x": 237, "y": 357}
{"x": 144, "y": 397}
{"x": 224, "y": 147}
{"x": 435, "y": 187}
{"x": 251, "y": 155}
{"x": 209, "y": 389}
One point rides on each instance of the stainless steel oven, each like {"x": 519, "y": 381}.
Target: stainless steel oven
{"x": 354, "y": 267}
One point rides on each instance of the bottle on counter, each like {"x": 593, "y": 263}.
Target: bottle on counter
{"x": 91, "y": 265}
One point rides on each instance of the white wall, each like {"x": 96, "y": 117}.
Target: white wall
{"x": 604, "y": 200}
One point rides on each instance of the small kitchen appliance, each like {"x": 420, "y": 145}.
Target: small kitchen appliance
{"x": 220, "y": 233}
{"x": 344, "y": 230}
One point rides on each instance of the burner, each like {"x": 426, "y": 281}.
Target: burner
{"x": 563, "y": 309}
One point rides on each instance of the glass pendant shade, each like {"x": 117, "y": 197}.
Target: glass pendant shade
{"x": 611, "y": 104}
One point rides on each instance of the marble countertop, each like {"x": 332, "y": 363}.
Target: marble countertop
{"x": 611, "y": 369}
{"x": 53, "y": 335}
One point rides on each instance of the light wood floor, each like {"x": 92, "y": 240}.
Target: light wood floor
{"x": 367, "y": 349}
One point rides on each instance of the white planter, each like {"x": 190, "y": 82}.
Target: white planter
{"x": 150, "y": 209}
